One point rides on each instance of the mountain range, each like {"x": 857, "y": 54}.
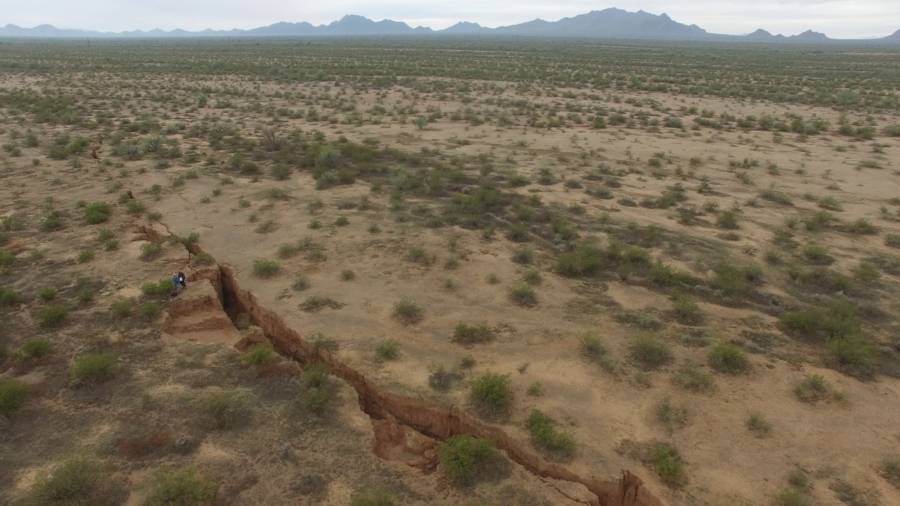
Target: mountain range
{"x": 605, "y": 24}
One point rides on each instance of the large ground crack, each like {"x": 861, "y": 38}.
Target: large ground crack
{"x": 427, "y": 418}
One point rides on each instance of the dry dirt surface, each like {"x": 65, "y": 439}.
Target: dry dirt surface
{"x": 449, "y": 273}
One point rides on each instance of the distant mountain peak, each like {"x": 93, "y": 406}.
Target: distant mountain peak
{"x": 608, "y": 23}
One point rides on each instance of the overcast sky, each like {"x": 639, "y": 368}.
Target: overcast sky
{"x": 837, "y": 18}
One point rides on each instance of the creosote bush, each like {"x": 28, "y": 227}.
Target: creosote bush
{"x": 408, "y": 312}
{"x": 183, "y": 487}
{"x": 649, "y": 352}
{"x": 259, "y": 354}
{"x": 266, "y": 268}
{"x": 93, "y": 367}
{"x": 466, "y": 458}
{"x": 464, "y": 333}
{"x": 492, "y": 394}
{"x": 97, "y": 212}
{"x": 12, "y": 395}
{"x": 546, "y": 436}
{"x": 728, "y": 358}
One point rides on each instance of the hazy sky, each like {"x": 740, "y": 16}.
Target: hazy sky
{"x": 837, "y": 18}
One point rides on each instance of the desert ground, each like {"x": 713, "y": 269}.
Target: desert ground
{"x": 449, "y": 273}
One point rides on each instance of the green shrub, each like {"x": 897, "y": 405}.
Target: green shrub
{"x": 728, "y": 358}
{"x": 861, "y": 226}
{"x": 265, "y": 268}
{"x": 694, "y": 380}
{"x": 837, "y": 320}
{"x": 161, "y": 288}
{"x": 792, "y": 497}
{"x": 892, "y": 240}
{"x": 7, "y": 259}
{"x": 671, "y": 417}
{"x": 36, "y": 347}
{"x": 93, "y": 367}
{"x": 150, "y": 310}
{"x": 853, "y": 355}
{"x": 372, "y": 498}
{"x": 686, "y": 309}
{"x": 150, "y": 250}
{"x": 472, "y": 334}
{"x": 465, "y": 458}
{"x": 52, "y": 316}
{"x": 418, "y": 255}
{"x": 226, "y": 410}
{"x": 523, "y": 295}
{"x": 12, "y": 396}
{"x": 47, "y": 294}
{"x": 97, "y": 212}
{"x": 734, "y": 280}
{"x": 817, "y": 255}
{"x": 813, "y": 389}
{"x": 389, "y": 349}
{"x": 728, "y": 220}
{"x": 181, "y": 487}
{"x": 408, "y": 312}
{"x": 9, "y": 297}
{"x": 668, "y": 465}
{"x": 258, "y": 354}
{"x": 75, "y": 482}
{"x": 301, "y": 282}
{"x": 523, "y": 256}
{"x": 758, "y": 425}
{"x": 491, "y": 394}
{"x": 649, "y": 352}
{"x": 830, "y": 203}
{"x": 890, "y": 469}
{"x": 122, "y": 308}
{"x": 585, "y": 260}
{"x": 545, "y": 436}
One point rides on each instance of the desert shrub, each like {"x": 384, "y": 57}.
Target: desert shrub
{"x": 464, "y": 458}
{"x": 226, "y": 410}
{"x": 182, "y": 487}
{"x": 861, "y": 226}
{"x": 758, "y": 425}
{"x": 135, "y": 207}
{"x": 419, "y": 256}
{"x": 372, "y": 498}
{"x": 523, "y": 295}
{"x": 122, "y": 308}
{"x": 35, "y": 348}
{"x": 52, "y": 316}
{"x": 159, "y": 288}
{"x": 52, "y": 222}
{"x": 12, "y": 396}
{"x": 546, "y": 436}
{"x": 853, "y": 355}
{"x": 792, "y": 497}
{"x": 819, "y": 221}
{"x": 837, "y": 320}
{"x": 523, "y": 256}
{"x": 694, "y": 380}
{"x": 813, "y": 389}
{"x": 259, "y": 354}
{"x": 151, "y": 250}
{"x": 389, "y": 349}
{"x": 532, "y": 277}
{"x": 202, "y": 260}
{"x": 776, "y": 197}
{"x": 668, "y": 464}
{"x": 97, "y": 212}
{"x": 892, "y": 240}
{"x": 671, "y": 416}
{"x": 728, "y": 358}
{"x": 686, "y": 309}
{"x": 830, "y": 203}
{"x": 47, "y": 294}
{"x": 471, "y": 334}
{"x": 585, "y": 260}
{"x": 93, "y": 367}
{"x": 265, "y": 268}
{"x": 408, "y": 312}
{"x": 890, "y": 469}
{"x": 7, "y": 259}
{"x": 649, "y": 352}
{"x": 73, "y": 482}
{"x": 150, "y": 310}
{"x": 301, "y": 282}
{"x": 817, "y": 255}
{"x": 439, "y": 378}
{"x": 491, "y": 394}
{"x": 728, "y": 220}
{"x": 8, "y": 297}
{"x": 734, "y": 279}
